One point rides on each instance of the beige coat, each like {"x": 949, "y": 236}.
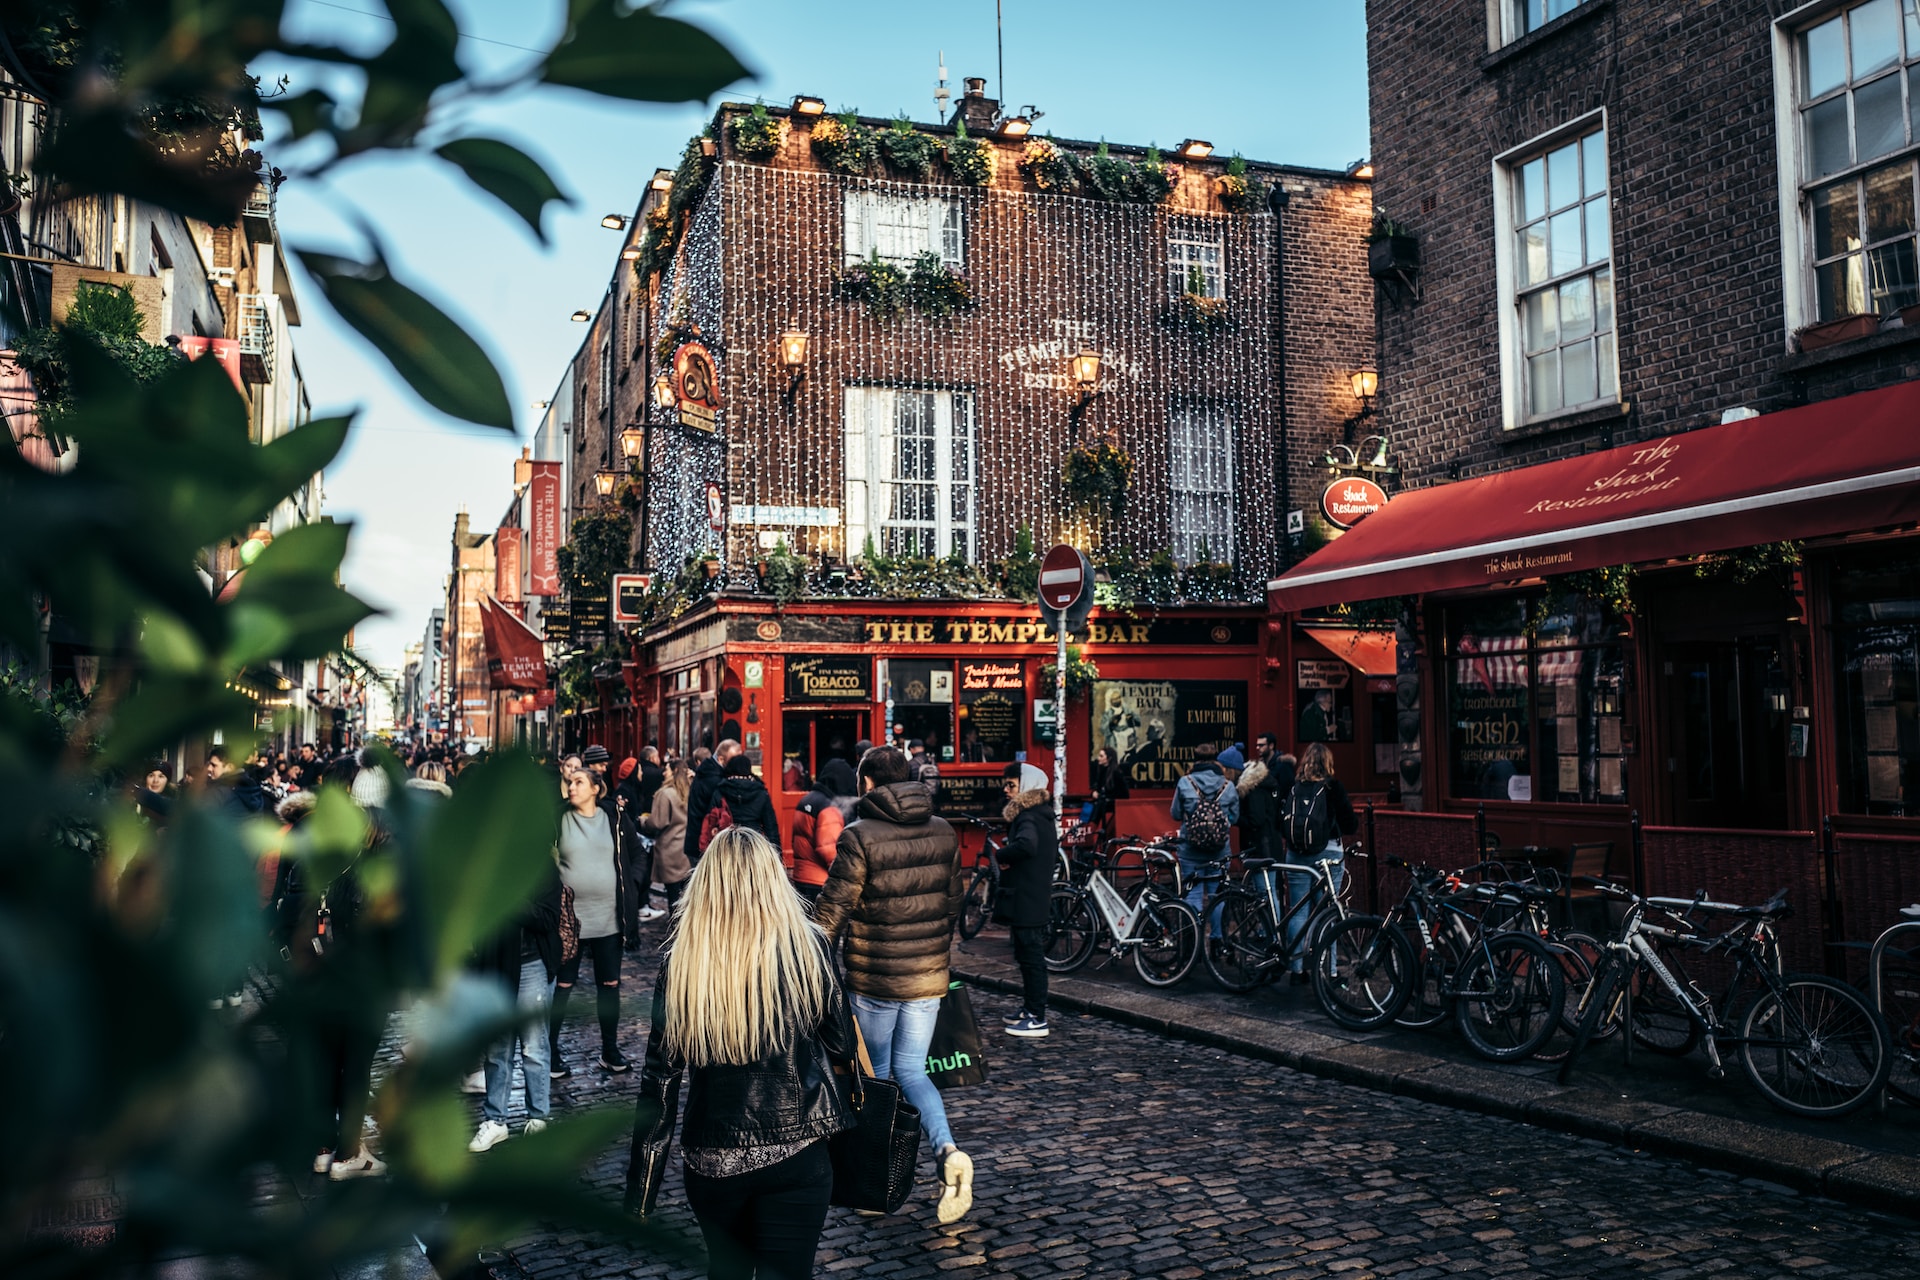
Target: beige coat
{"x": 667, "y": 824}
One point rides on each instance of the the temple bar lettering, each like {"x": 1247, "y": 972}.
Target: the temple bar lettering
{"x": 1018, "y": 631}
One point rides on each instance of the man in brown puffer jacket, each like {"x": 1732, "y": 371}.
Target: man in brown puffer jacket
{"x": 896, "y": 887}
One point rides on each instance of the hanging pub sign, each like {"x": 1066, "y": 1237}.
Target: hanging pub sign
{"x": 629, "y": 596}
{"x": 696, "y": 386}
{"x": 818, "y": 678}
{"x": 1350, "y": 500}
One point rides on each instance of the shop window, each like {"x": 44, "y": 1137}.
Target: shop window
{"x": 899, "y": 229}
{"x": 810, "y": 738}
{"x": 1323, "y": 700}
{"x": 909, "y": 471}
{"x": 1536, "y": 702}
{"x": 1856, "y": 94}
{"x": 1877, "y": 673}
{"x": 923, "y": 705}
{"x": 1153, "y": 726}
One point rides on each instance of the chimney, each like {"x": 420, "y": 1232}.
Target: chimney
{"x": 523, "y": 469}
{"x": 981, "y": 113}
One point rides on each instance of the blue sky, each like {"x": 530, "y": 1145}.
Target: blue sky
{"x": 1277, "y": 80}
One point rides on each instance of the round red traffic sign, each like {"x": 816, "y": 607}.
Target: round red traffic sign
{"x": 1063, "y": 576}
{"x": 1347, "y": 501}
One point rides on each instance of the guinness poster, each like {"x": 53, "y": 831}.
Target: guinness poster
{"x": 1152, "y": 726}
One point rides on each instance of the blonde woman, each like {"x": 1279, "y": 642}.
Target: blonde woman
{"x": 748, "y": 1008}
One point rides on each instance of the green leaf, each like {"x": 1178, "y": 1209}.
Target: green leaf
{"x": 488, "y": 851}
{"x": 641, "y": 55}
{"x": 508, "y": 174}
{"x": 437, "y": 357}
{"x": 164, "y": 710}
{"x": 98, "y": 152}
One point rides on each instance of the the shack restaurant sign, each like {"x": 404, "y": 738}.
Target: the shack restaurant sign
{"x": 1350, "y": 500}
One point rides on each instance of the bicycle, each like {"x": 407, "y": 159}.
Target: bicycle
{"x": 1246, "y": 930}
{"x": 1811, "y": 1045}
{"x": 1161, "y": 933}
{"x": 1894, "y": 984}
{"x": 1505, "y": 988}
{"x": 983, "y": 890}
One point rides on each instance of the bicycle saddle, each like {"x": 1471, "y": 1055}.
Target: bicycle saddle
{"x": 1259, "y": 864}
{"x": 1912, "y": 912}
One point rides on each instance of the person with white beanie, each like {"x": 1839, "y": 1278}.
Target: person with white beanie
{"x": 1026, "y": 867}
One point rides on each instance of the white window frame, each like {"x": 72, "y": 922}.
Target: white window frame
{"x": 1506, "y": 20}
{"x": 1200, "y": 478}
{"x": 871, "y": 427}
{"x": 902, "y": 227}
{"x": 1513, "y": 357}
{"x": 1798, "y": 287}
{"x": 1187, "y": 248}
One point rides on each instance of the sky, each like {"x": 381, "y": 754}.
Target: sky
{"x": 1276, "y": 80}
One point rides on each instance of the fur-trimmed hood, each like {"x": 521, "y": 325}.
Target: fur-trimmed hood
{"x": 294, "y": 809}
{"x": 1025, "y": 800}
{"x": 428, "y": 785}
{"x": 1251, "y": 777}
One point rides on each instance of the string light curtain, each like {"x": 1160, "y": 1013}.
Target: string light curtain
{"x": 1049, "y": 275}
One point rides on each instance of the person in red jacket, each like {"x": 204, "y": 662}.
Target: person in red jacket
{"x": 817, "y": 824}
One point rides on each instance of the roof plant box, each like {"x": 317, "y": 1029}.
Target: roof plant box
{"x": 1389, "y": 257}
{"x": 1832, "y": 332}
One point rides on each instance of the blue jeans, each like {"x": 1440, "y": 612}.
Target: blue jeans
{"x": 898, "y": 1034}
{"x": 1190, "y": 873}
{"x": 1300, "y": 884}
{"x": 535, "y": 998}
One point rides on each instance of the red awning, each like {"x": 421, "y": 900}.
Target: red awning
{"x": 1371, "y": 653}
{"x": 515, "y": 658}
{"x": 1839, "y": 466}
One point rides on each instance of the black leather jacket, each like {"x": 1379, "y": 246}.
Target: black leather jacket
{"x": 792, "y": 1096}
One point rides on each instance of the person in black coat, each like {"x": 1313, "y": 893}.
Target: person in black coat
{"x": 525, "y": 958}
{"x": 707, "y": 776}
{"x": 748, "y": 803}
{"x": 1026, "y": 883}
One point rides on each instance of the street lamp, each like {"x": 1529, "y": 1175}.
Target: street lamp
{"x": 1194, "y": 149}
{"x": 808, "y": 106}
{"x": 663, "y": 389}
{"x": 1360, "y": 169}
{"x": 603, "y": 480}
{"x": 1015, "y": 127}
{"x": 631, "y": 253}
{"x": 662, "y": 182}
{"x": 631, "y": 440}
{"x": 582, "y": 316}
{"x": 1366, "y": 383}
{"x": 1086, "y": 370}
{"x": 793, "y": 348}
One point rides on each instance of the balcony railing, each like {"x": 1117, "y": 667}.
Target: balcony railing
{"x": 257, "y": 216}
{"x": 256, "y": 337}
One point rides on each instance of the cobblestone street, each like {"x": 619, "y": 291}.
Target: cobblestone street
{"x": 1108, "y": 1151}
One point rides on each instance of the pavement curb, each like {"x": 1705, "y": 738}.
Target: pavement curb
{"x": 1820, "y": 1166}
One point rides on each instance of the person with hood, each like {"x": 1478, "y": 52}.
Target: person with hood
{"x": 748, "y": 804}
{"x": 1262, "y": 785}
{"x": 707, "y": 775}
{"x": 239, "y": 790}
{"x": 1205, "y": 779}
{"x": 1026, "y": 883}
{"x": 817, "y": 822}
{"x": 895, "y": 888}
{"x": 666, "y": 822}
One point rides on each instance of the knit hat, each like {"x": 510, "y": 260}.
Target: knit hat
{"x": 596, "y": 754}
{"x": 1232, "y": 758}
{"x": 627, "y": 767}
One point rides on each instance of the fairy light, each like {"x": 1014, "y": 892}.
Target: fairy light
{"x": 1051, "y": 274}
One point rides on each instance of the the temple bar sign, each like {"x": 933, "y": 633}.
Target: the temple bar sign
{"x": 1019, "y": 631}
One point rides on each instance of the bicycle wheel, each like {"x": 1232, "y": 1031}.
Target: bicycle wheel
{"x": 1362, "y": 973}
{"x": 1814, "y": 1046}
{"x": 1169, "y": 941}
{"x": 1071, "y": 930}
{"x": 1599, "y": 1007}
{"x": 977, "y": 907}
{"x": 1237, "y": 941}
{"x": 1508, "y": 997}
{"x": 1433, "y": 968}
{"x": 1900, "y": 1005}
{"x": 1577, "y": 973}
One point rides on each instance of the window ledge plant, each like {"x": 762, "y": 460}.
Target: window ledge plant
{"x": 1392, "y": 249}
{"x": 928, "y": 286}
{"x": 1082, "y": 672}
{"x": 758, "y": 135}
{"x": 971, "y": 159}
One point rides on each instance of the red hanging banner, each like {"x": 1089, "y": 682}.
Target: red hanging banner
{"x": 506, "y": 564}
{"x": 543, "y": 498}
{"x": 516, "y": 658}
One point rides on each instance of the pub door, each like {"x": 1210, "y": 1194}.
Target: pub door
{"x": 1725, "y": 719}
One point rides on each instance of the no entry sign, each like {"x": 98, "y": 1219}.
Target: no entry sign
{"x": 1063, "y": 577}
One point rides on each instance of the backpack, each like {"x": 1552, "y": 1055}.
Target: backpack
{"x": 1306, "y": 819}
{"x": 718, "y": 819}
{"x": 1206, "y": 827}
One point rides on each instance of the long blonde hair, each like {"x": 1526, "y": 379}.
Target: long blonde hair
{"x": 747, "y": 970}
{"x": 680, "y": 778}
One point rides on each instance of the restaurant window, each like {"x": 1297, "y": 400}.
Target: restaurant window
{"x": 1200, "y": 467}
{"x": 1856, "y": 91}
{"x": 898, "y": 229}
{"x": 1877, "y": 673}
{"x": 1195, "y": 263}
{"x": 909, "y": 471}
{"x": 921, "y": 691}
{"x": 1536, "y": 701}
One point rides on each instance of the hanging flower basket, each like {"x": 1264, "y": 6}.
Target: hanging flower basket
{"x": 907, "y": 150}
{"x": 1200, "y": 315}
{"x": 1047, "y": 166}
{"x": 758, "y": 135}
{"x": 971, "y": 159}
{"x": 1237, "y": 188}
{"x": 845, "y": 145}
{"x": 1098, "y": 479}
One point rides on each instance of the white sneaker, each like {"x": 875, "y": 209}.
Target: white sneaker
{"x": 323, "y": 1162}
{"x": 491, "y": 1134}
{"x": 535, "y": 1125}
{"x": 475, "y": 1083}
{"x": 650, "y": 913}
{"x": 364, "y": 1165}
{"x": 956, "y": 1192}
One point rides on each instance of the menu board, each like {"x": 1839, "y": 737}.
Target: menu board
{"x": 970, "y": 795}
{"x": 993, "y": 707}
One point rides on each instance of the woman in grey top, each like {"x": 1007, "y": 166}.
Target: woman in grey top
{"x": 594, "y": 841}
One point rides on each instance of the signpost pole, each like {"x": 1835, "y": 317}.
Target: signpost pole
{"x": 1060, "y": 722}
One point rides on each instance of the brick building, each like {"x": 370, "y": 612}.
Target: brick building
{"x": 1649, "y": 345}
{"x": 906, "y": 331}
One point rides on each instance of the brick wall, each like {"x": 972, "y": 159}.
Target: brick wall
{"x": 1688, "y": 93}
{"x": 1052, "y": 273}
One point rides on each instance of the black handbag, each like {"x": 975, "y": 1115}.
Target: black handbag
{"x": 873, "y": 1162}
